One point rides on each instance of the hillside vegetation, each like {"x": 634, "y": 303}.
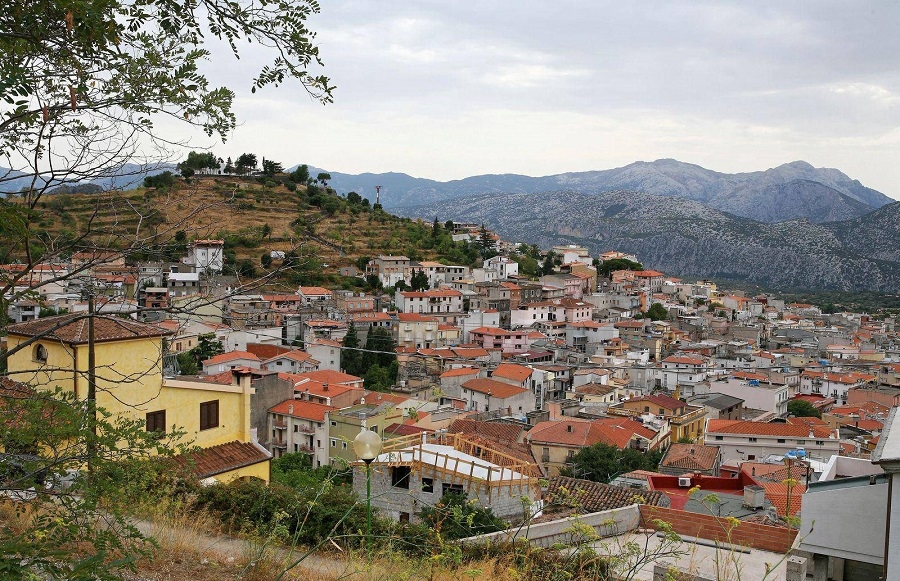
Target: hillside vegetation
{"x": 254, "y": 217}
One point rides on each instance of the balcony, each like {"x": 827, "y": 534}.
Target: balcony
{"x": 305, "y": 429}
{"x": 279, "y": 425}
{"x": 305, "y": 449}
{"x": 279, "y": 444}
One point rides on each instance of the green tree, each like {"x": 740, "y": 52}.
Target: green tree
{"x": 301, "y": 174}
{"x": 602, "y": 462}
{"x": 229, "y": 166}
{"x": 419, "y": 281}
{"x": 246, "y": 163}
{"x": 351, "y": 358}
{"x": 87, "y": 76}
{"x": 549, "y": 264}
{"x": 323, "y": 178}
{"x": 657, "y": 312}
{"x": 187, "y": 363}
{"x": 379, "y": 340}
{"x": 435, "y": 228}
{"x": 455, "y": 517}
{"x": 606, "y": 267}
{"x": 270, "y": 168}
{"x": 803, "y": 409}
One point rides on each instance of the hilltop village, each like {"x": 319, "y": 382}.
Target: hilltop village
{"x": 491, "y": 383}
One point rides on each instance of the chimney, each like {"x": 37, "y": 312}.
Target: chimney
{"x": 290, "y": 409}
{"x": 812, "y": 434}
{"x": 324, "y": 387}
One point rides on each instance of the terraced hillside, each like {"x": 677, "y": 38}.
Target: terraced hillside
{"x": 254, "y": 218}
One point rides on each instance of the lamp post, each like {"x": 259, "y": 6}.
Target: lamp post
{"x": 367, "y": 446}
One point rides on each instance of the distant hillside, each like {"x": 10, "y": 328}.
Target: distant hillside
{"x": 684, "y": 237}
{"x": 790, "y": 191}
{"x": 126, "y": 177}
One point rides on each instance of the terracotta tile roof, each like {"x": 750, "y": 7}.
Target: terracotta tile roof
{"x": 807, "y": 421}
{"x": 574, "y": 495}
{"x": 325, "y": 342}
{"x": 581, "y": 433}
{"x": 414, "y": 317}
{"x": 295, "y": 355}
{"x": 594, "y": 389}
{"x": 683, "y": 360}
{"x": 304, "y": 410}
{"x": 266, "y": 351}
{"x": 777, "y": 493}
{"x": 497, "y": 331}
{"x": 849, "y": 378}
{"x": 230, "y": 356}
{"x": 317, "y": 388}
{"x": 460, "y": 372}
{"x": 767, "y": 429}
{"x": 497, "y": 389}
{"x": 647, "y": 273}
{"x": 314, "y": 291}
{"x": 403, "y": 430}
{"x": 73, "y": 328}
{"x": 222, "y": 458}
{"x": 517, "y": 373}
{"x": 498, "y": 431}
{"x": 691, "y": 457}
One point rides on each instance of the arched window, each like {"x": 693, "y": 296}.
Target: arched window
{"x": 40, "y": 353}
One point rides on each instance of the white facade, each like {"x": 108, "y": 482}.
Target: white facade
{"x": 206, "y": 256}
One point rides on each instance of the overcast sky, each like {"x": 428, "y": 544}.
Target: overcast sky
{"x": 445, "y": 90}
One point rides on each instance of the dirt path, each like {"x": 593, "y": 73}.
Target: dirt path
{"x": 234, "y": 550}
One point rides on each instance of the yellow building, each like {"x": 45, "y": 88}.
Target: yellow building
{"x": 129, "y": 382}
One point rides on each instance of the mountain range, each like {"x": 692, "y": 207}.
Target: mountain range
{"x": 687, "y": 238}
{"x": 790, "y": 191}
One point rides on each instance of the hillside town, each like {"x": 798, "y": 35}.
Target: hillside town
{"x": 495, "y": 383}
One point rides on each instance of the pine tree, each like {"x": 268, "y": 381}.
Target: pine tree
{"x": 351, "y": 359}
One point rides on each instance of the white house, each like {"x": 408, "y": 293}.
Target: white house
{"x": 742, "y": 440}
{"x": 205, "y": 255}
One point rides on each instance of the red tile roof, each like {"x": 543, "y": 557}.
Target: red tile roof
{"x": 460, "y": 372}
{"x": 664, "y": 401}
{"x": 580, "y": 433}
{"x": 329, "y": 376}
{"x": 497, "y": 389}
{"x": 230, "y": 356}
{"x": 305, "y": 410}
{"x": 222, "y": 458}
{"x": 73, "y": 329}
{"x": 517, "y": 373}
{"x": 691, "y": 457}
{"x": 767, "y": 429}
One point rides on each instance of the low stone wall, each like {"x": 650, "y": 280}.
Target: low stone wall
{"x": 607, "y": 523}
{"x": 707, "y": 526}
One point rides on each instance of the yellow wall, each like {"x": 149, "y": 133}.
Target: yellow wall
{"x": 130, "y": 382}
{"x": 260, "y": 470}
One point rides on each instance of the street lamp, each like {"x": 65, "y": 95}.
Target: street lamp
{"x": 367, "y": 446}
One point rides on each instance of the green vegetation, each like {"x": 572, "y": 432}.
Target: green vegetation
{"x": 803, "y": 409}
{"x": 602, "y": 462}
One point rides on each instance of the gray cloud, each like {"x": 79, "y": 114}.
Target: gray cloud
{"x": 447, "y": 89}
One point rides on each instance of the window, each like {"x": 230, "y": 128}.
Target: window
{"x": 752, "y": 439}
{"x": 781, "y": 440}
{"x": 820, "y": 443}
{"x": 209, "y": 415}
{"x": 333, "y": 423}
{"x": 40, "y": 353}
{"x": 343, "y": 445}
{"x": 333, "y": 443}
{"x": 318, "y": 443}
{"x": 454, "y": 488}
{"x": 400, "y": 477}
{"x": 751, "y": 457}
{"x": 296, "y": 428}
{"x": 156, "y": 421}
{"x": 801, "y": 442}
{"x": 427, "y": 485}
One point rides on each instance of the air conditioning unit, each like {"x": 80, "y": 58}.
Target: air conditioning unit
{"x": 684, "y": 481}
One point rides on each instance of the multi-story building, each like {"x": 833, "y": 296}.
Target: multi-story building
{"x": 130, "y": 384}
{"x": 685, "y": 421}
{"x": 429, "y": 302}
{"x": 300, "y": 427}
{"x": 742, "y": 440}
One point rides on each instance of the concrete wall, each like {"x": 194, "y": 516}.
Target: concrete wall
{"x": 844, "y": 522}
{"x": 606, "y": 523}
{"x": 391, "y": 501}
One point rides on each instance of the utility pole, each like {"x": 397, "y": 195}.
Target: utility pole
{"x": 91, "y": 388}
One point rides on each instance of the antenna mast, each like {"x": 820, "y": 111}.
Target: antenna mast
{"x": 377, "y": 194}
